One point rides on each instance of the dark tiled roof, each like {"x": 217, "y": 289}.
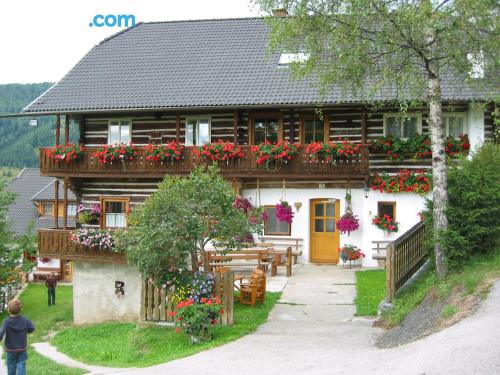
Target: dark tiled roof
{"x": 28, "y": 184}
{"x": 204, "y": 63}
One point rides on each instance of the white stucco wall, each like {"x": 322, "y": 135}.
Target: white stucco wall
{"x": 475, "y": 123}
{"x": 407, "y": 207}
{"x": 94, "y": 297}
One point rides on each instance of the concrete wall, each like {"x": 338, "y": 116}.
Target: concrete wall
{"x": 407, "y": 207}
{"x": 94, "y": 298}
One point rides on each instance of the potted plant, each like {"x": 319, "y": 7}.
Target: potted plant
{"x": 89, "y": 215}
{"x": 195, "y": 318}
{"x": 275, "y": 154}
{"x": 350, "y": 252}
{"x": 330, "y": 152}
{"x": 405, "y": 181}
{"x": 219, "y": 151}
{"x": 284, "y": 212}
{"x": 385, "y": 223}
{"x": 170, "y": 152}
{"x": 96, "y": 239}
{"x": 67, "y": 152}
{"x": 120, "y": 151}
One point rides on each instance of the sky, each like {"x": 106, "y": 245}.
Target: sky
{"x": 41, "y": 40}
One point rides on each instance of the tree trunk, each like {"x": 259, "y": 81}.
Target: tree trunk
{"x": 194, "y": 260}
{"x": 439, "y": 170}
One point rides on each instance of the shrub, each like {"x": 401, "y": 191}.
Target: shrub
{"x": 474, "y": 207}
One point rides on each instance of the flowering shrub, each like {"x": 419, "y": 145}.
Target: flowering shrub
{"x": 201, "y": 286}
{"x": 94, "y": 238}
{"x": 195, "y": 318}
{"x": 284, "y": 212}
{"x": 171, "y": 152}
{"x": 348, "y": 223}
{"x": 88, "y": 215}
{"x": 109, "y": 153}
{"x": 280, "y": 152}
{"x": 319, "y": 152}
{"x": 67, "y": 152}
{"x": 417, "y": 147}
{"x": 243, "y": 203}
{"x": 386, "y": 223}
{"x": 219, "y": 151}
{"x": 350, "y": 252}
{"x": 405, "y": 181}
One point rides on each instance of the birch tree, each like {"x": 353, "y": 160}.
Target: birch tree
{"x": 404, "y": 46}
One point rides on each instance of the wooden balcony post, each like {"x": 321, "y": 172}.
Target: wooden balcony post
{"x": 363, "y": 127}
{"x": 58, "y": 129}
{"x": 81, "y": 128}
{"x": 291, "y": 133}
{"x": 66, "y": 129}
{"x": 235, "y": 127}
{"x": 65, "y": 207}
{"x": 178, "y": 128}
{"x": 56, "y": 203}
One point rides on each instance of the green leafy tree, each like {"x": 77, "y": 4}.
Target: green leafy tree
{"x": 406, "y": 46}
{"x": 176, "y": 223}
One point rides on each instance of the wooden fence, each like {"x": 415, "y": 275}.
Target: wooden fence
{"x": 157, "y": 301}
{"x": 404, "y": 258}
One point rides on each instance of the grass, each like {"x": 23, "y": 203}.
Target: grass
{"x": 45, "y": 319}
{"x": 449, "y": 311}
{"x": 370, "y": 290}
{"x": 478, "y": 271}
{"x": 125, "y": 345}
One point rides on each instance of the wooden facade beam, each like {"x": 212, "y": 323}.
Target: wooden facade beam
{"x": 292, "y": 126}
{"x": 363, "y": 127}
{"x": 66, "y": 129}
{"x": 235, "y": 126}
{"x": 178, "y": 128}
{"x": 65, "y": 207}
{"x": 58, "y": 130}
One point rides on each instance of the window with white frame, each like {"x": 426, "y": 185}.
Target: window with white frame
{"x": 119, "y": 132}
{"x": 197, "y": 131}
{"x": 400, "y": 125}
{"x": 455, "y": 124}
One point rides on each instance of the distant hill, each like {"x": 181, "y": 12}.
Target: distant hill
{"x": 19, "y": 142}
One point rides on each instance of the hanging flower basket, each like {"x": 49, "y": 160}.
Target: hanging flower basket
{"x": 284, "y": 212}
{"x": 348, "y": 223}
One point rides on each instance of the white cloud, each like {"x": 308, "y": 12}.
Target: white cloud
{"x": 41, "y": 40}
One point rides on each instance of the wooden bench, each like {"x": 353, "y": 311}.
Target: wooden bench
{"x": 283, "y": 243}
{"x": 282, "y": 258}
{"x": 254, "y": 289}
{"x": 257, "y": 257}
{"x": 379, "y": 251}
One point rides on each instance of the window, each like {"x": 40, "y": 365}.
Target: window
{"x": 265, "y": 130}
{"x": 387, "y": 208}
{"x": 287, "y": 58}
{"x": 324, "y": 217}
{"x": 47, "y": 209}
{"x": 114, "y": 212}
{"x": 71, "y": 209}
{"x": 455, "y": 124}
{"x": 314, "y": 130}
{"x": 119, "y": 132}
{"x": 197, "y": 131}
{"x": 273, "y": 225}
{"x": 399, "y": 125}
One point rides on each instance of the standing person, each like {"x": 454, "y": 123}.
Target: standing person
{"x": 51, "y": 284}
{"x": 16, "y": 329}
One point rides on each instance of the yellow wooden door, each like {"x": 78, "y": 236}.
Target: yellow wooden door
{"x": 324, "y": 235}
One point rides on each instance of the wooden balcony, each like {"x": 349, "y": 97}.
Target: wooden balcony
{"x": 353, "y": 168}
{"x": 56, "y": 243}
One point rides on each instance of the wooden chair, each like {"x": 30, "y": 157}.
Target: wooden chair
{"x": 254, "y": 290}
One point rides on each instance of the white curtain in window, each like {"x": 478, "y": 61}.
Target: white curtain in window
{"x": 115, "y": 220}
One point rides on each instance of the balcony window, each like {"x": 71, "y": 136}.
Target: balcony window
{"x": 455, "y": 124}
{"x": 273, "y": 226}
{"x": 399, "y": 125}
{"x": 119, "y": 132}
{"x": 266, "y": 130}
{"x": 114, "y": 214}
{"x": 197, "y": 131}
{"x": 314, "y": 131}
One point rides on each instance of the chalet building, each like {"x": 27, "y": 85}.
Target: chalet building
{"x": 35, "y": 205}
{"x": 202, "y": 81}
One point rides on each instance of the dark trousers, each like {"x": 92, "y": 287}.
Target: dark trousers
{"x": 16, "y": 363}
{"x": 52, "y": 295}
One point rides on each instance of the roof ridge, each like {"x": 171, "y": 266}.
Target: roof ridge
{"x": 205, "y": 20}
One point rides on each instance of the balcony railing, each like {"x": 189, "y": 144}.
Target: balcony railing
{"x": 56, "y": 243}
{"x": 355, "y": 167}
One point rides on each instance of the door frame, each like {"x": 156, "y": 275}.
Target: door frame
{"x": 311, "y": 207}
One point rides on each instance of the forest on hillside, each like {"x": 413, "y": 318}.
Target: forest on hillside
{"x": 19, "y": 142}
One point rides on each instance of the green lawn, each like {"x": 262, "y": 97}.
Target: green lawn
{"x": 125, "y": 345}
{"x": 45, "y": 319}
{"x": 370, "y": 291}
